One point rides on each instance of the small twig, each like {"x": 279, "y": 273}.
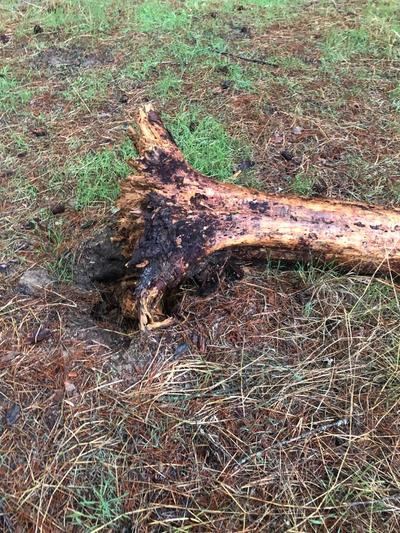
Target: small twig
{"x": 81, "y": 99}
{"x": 303, "y": 436}
{"x": 244, "y": 58}
{"x": 395, "y": 497}
{"x": 311, "y": 432}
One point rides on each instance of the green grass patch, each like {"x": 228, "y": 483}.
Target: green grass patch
{"x": 175, "y": 53}
{"x": 377, "y": 36}
{"x": 240, "y": 78}
{"x": 155, "y": 15}
{"x": 395, "y": 98}
{"x": 169, "y": 84}
{"x": 302, "y": 184}
{"x": 185, "y": 40}
{"x": 290, "y": 63}
{"x": 19, "y": 143}
{"x": 206, "y": 144}
{"x": 375, "y": 181}
{"x": 341, "y": 45}
{"x": 382, "y": 17}
{"x": 263, "y": 12}
{"x": 98, "y": 176}
{"x": 95, "y": 177}
{"x": 75, "y": 16}
{"x": 146, "y": 62}
{"x": 188, "y": 44}
{"x": 23, "y": 190}
{"x": 272, "y": 5}
{"x": 62, "y": 264}
{"x": 13, "y": 94}
{"x": 88, "y": 87}
{"x": 164, "y": 16}
{"x": 98, "y": 504}
{"x": 62, "y": 268}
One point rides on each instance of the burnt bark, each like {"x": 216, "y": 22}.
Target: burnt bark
{"x": 172, "y": 218}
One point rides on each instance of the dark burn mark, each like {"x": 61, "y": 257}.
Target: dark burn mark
{"x": 377, "y": 227}
{"x": 168, "y": 168}
{"x": 321, "y": 220}
{"x": 359, "y": 224}
{"x": 196, "y": 200}
{"x": 195, "y": 233}
{"x": 259, "y": 207}
{"x": 292, "y": 217}
{"x": 168, "y": 136}
{"x": 154, "y": 118}
{"x": 170, "y": 241}
{"x": 313, "y": 236}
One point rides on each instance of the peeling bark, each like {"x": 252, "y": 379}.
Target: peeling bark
{"x": 172, "y": 218}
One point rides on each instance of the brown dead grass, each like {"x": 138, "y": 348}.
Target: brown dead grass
{"x": 235, "y": 418}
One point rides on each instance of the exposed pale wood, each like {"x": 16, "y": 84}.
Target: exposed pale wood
{"x": 172, "y": 217}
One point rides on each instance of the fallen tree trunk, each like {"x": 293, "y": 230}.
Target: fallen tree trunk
{"x": 172, "y": 217}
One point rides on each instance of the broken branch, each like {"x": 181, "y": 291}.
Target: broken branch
{"x": 173, "y": 217}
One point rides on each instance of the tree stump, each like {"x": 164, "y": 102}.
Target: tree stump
{"x": 172, "y": 218}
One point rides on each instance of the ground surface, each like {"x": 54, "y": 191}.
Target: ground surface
{"x": 273, "y": 404}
